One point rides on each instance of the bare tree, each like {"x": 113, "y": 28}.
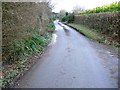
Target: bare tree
{"x": 78, "y": 9}
{"x": 62, "y": 14}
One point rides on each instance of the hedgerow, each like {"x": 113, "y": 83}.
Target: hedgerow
{"x": 115, "y": 6}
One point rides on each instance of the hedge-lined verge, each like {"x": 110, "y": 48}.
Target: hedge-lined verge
{"x": 26, "y": 30}
{"x": 106, "y": 24}
{"x": 20, "y": 20}
{"x": 26, "y": 52}
{"x": 87, "y": 32}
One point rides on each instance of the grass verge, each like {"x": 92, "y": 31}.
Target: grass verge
{"x": 92, "y": 34}
{"x": 88, "y": 33}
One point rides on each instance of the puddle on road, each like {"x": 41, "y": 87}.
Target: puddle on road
{"x": 67, "y": 32}
{"x": 54, "y": 39}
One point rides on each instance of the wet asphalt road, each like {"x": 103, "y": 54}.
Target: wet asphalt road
{"x": 69, "y": 62}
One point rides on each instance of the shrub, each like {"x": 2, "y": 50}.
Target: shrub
{"x": 68, "y": 18}
{"x": 115, "y": 6}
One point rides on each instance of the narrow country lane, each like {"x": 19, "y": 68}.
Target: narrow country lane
{"x": 69, "y": 62}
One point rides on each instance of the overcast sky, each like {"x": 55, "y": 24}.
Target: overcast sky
{"x": 69, "y": 4}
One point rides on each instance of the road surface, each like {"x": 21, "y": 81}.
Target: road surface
{"x": 69, "y": 62}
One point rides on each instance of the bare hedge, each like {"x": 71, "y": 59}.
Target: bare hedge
{"x": 105, "y": 23}
{"x": 20, "y": 20}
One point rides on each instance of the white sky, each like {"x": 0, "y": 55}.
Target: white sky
{"x": 69, "y": 4}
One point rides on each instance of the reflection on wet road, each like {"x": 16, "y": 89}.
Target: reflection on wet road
{"x": 69, "y": 62}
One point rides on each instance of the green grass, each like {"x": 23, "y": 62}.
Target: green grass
{"x": 50, "y": 27}
{"x": 93, "y": 34}
{"x": 23, "y": 50}
{"x": 88, "y": 32}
